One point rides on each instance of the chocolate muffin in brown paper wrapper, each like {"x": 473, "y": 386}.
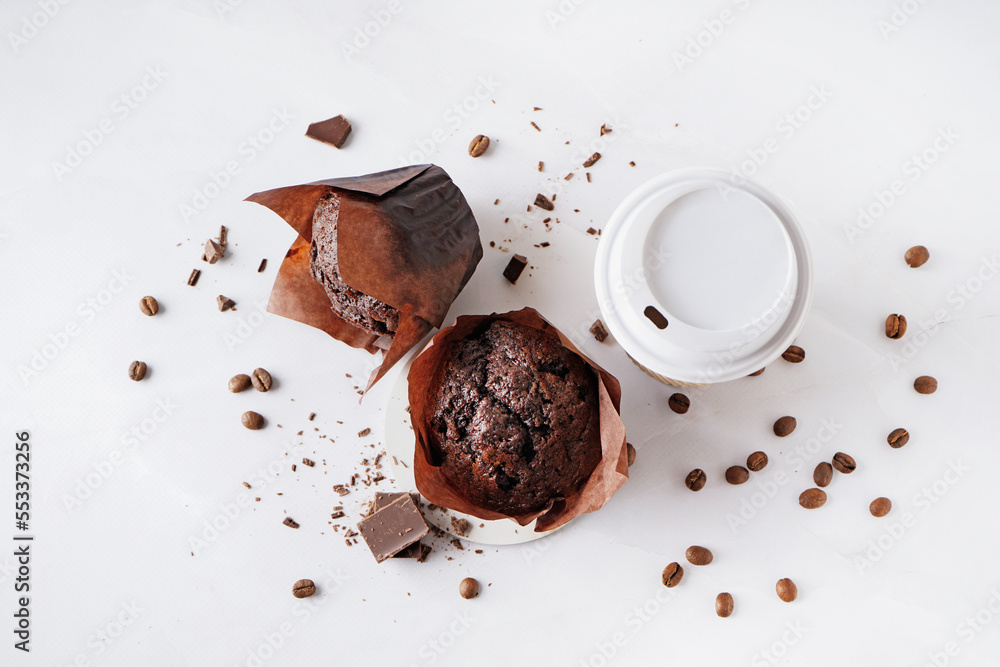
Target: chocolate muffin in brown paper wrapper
{"x": 434, "y": 474}
{"x": 378, "y": 259}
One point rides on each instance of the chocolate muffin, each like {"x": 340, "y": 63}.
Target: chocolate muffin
{"x": 353, "y": 306}
{"x": 516, "y": 420}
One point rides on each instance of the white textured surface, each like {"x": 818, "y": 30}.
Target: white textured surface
{"x": 237, "y": 91}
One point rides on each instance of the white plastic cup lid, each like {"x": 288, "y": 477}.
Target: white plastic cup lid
{"x": 703, "y": 278}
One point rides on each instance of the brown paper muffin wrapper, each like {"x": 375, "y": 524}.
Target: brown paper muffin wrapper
{"x": 406, "y": 237}
{"x": 425, "y": 375}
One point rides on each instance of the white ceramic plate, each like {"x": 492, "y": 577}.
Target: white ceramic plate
{"x": 399, "y": 449}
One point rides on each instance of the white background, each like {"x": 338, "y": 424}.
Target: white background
{"x": 871, "y": 591}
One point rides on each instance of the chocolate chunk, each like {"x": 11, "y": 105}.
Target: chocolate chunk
{"x": 541, "y": 201}
{"x": 333, "y": 131}
{"x": 382, "y": 499}
{"x": 225, "y": 303}
{"x": 393, "y": 528}
{"x": 213, "y": 251}
{"x": 514, "y": 268}
{"x": 589, "y": 162}
{"x": 193, "y": 279}
{"x": 599, "y": 332}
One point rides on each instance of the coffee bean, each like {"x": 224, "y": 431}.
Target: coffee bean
{"x": 696, "y": 479}
{"x": 698, "y": 555}
{"x": 880, "y": 507}
{"x": 787, "y": 590}
{"x": 631, "y": 453}
{"x": 794, "y": 354}
{"x": 757, "y": 461}
{"x": 756, "y": 373}
{"x": 844, "y": 463}
{"x": 737, "y": 475}
{"x": 148, "y": 306}
{"x": 679, "y": 403}
{"x": 898, "y": 438}
{"x": 917, "y": 256}
{"x": 724, "y": 605}
{"x": 260, "y": 379}
{"x": 137, "y": 370}
{"x": 895, "y": 326}
{"x": 925, "y": 384}
{"x": 812, "y": 498}
{"x": 239, "y": 383}
{"x": 478, "y": 145}
{"x": 469, "y": 588}
{"x": 672, "y": 575}
{"x": 823, "y": 474}
{"x": 784, "y": 426}
{"x": 252, "y": 420}
{"x": 303, "y": 588}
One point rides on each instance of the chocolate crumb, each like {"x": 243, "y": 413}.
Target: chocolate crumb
{"x": 312, "y": 416}
{"x": 534, "y": 125}
{"x": 541, "y": 165}
{"x": 599, "y": 332}
{"x": 213, "y": 252}
{"x": 514, "y": 268}
{"x": 495, "y": 202}
{"x": 631, "y": 164}
{"x": 341, "y": 489}
{"x": 541, "y": 201}
{"x": 293, "y": 467}
{"x": 193, "y": 279}
{"x": 263, "y": 265}
{"x": 290, "y": 522}
{"x": 589, "y": 162}
{"x": 246, "y": 485}
{"x": 309, "y": 462}
{"x": 588, "y": 177}
{"x": 425, "y": 551}
{"x": 225, "y": 303}
{"x": 592, "y": 231}
{"x": 333, "y": 131}
{"x": 337, "y": 515}
{"x": 568, "y": 176}
{"x": 362, "y": 433}
{"x": 460, "y": 526}
{"x": 605, "y": 130}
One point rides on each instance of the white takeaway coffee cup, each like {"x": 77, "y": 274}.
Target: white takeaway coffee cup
{"x": 702, "y": 277}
